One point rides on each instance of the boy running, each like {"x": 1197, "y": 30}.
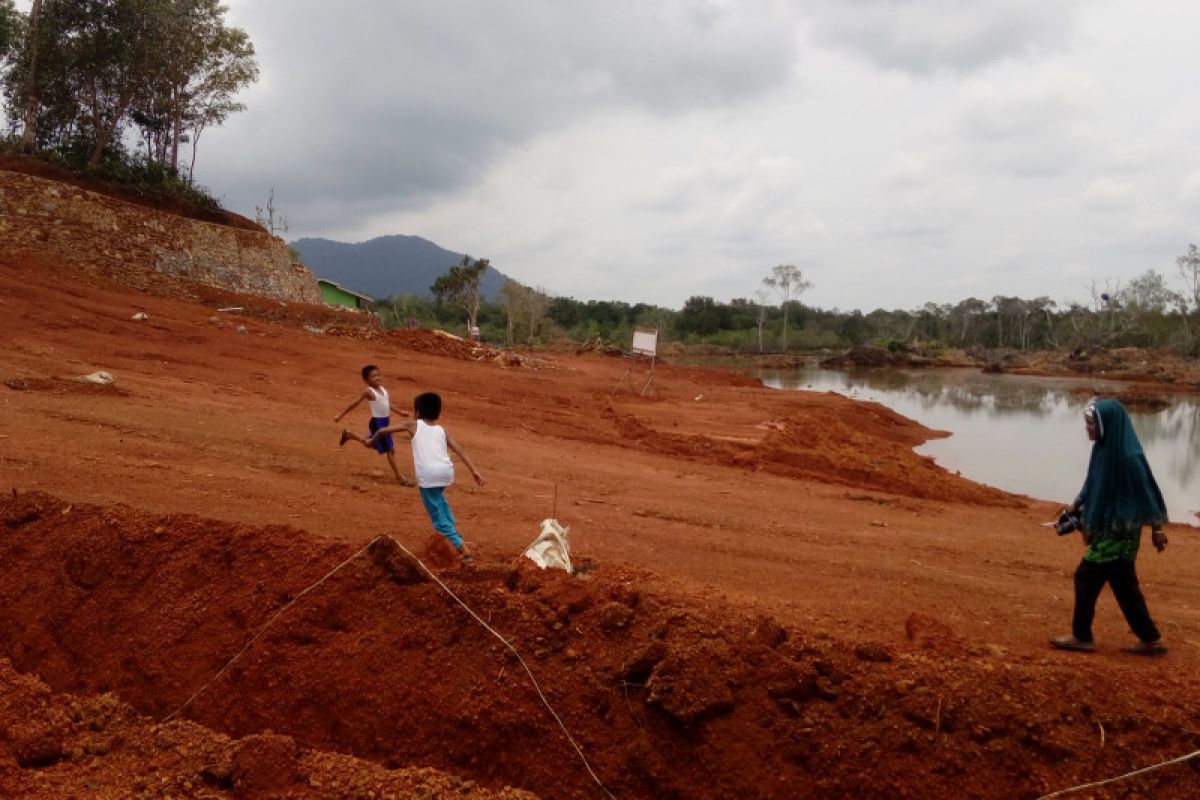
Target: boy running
{"x": 431, "y": 461}
{"x": 377, "y": 397}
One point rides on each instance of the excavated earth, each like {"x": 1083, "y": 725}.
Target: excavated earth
{"x": 203, "y": 596}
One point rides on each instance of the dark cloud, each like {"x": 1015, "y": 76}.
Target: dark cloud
{"x": 393, "y": 104}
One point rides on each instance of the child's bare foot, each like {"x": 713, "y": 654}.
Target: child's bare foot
{"x": 345, "y": 436}
{"x": 468, "y": 557}
{"x": 407, "y": 481}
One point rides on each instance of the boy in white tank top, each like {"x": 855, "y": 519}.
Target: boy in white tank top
{"x": 431, "y": 461}
{"x": 377, "y": 397}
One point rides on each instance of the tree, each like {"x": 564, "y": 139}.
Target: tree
{"x": 86, "y": 70}
{"x": 1147, "y": 292}
{"x": 459, "y": 286}
{"x": 231, "y": 67}
{"x": 203, "y": 64}
{"x": 968, "y": 312}
{"x": 786, "y": 281}
{"x": 703, "y": 316}
{"x": 11, "y": 23}
{"x": 29, "y": 117}
{"x": 1189, "y": 270}
{"x": 760, "y": 319}
{"x": 523, "y": 306}
{"x": 270, "y": 218}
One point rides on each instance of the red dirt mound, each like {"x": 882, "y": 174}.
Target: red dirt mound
{"x": 668, "y": 695}
{"x": 95, "y": 746}
{"x": 441, "y": 343}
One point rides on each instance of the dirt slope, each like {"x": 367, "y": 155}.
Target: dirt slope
{"x": 669, "y": 698}
{"x": 717, "y": 504}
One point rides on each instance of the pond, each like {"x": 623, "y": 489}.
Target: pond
{"x": 1017, "y": 433}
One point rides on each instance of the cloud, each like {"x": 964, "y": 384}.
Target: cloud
{"x": 928, "y": 36}
{"x": 1108, "y": 194}
{"x": 900, "y": 152}
{"x": 381, "y": 104}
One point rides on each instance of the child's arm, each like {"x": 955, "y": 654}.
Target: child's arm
{"x": 466, "y": 459}
{"x": 409, "y": 427}
{"x": 364, "y": 396}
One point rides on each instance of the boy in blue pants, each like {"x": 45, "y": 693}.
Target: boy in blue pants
{"x": 377, "y": 397}
{"x": 431, "y": 461}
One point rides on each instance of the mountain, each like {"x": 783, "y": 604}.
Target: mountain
{"x": 387, "y": 265}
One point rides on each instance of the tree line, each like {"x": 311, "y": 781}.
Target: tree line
{"x": 1150, "y": 310}
{"x": 121, "y": 88}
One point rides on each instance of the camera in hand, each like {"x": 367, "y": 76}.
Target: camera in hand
{"x": 1067, "y": 522}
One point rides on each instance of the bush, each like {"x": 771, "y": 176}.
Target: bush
{"x": 135, "y": 174}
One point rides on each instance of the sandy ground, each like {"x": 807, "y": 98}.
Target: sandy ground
{"x": 808, "y": 507}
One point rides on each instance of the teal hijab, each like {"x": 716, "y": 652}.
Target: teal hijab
{"x": 1119, "y": 492}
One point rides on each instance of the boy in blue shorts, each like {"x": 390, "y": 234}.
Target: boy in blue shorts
{"x": 377, "y": 397}
{"x": 431, "y": 461}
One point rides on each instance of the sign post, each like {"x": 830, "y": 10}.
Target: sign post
{"x": 645, "y": 345}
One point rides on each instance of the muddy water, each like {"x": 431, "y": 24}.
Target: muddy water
{"x": 1021, "y": 434}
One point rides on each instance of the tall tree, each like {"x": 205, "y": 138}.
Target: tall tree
{"x": 787, "y": 281}
{"x": 203, "y": 64}
{"x": 460, "y": 286}
{"x": 11, "y": 23}
{"x": 1189, "y": 270}
{"x": 760, "y": 318}
{"x": 29, "y": 118}
{"x": 524, "y": 307}
{"x": 87, "y": 68}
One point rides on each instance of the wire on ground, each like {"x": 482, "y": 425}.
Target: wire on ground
{"x": 1073, "y": 789}
{"x": 457, "y": 599}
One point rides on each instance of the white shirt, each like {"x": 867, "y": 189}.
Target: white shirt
{"x": 431, "y": 459}
{"x": 380, "y": 406}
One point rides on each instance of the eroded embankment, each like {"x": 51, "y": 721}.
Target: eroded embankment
{"x": 668, "y": 696}
{"x": 57, "y": 745}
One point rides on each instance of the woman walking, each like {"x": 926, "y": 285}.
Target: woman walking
{"x": 1118, "y": 497}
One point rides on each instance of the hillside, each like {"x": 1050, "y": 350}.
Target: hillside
{"x": 386, "y": 265}
{"x": 776, "y": 596}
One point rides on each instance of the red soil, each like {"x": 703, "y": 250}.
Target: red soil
{"x": 784, "y": 600}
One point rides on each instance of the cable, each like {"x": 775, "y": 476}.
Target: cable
{"x": 1073, "y": 789}
{"x": 456, "y": 598}
{"x": 263, "y": 629}
{"x": 528, "y": 671}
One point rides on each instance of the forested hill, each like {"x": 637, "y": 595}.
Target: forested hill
{"x": 387, "y": 265}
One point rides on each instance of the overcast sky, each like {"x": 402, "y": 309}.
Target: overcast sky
{"x": 899, "y": 151}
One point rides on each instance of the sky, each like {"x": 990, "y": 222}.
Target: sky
{"x": 898, "y": 151}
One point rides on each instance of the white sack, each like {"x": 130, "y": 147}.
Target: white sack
{"x": 551, "y": 548}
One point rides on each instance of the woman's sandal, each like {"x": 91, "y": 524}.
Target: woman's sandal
{"x": 1069, "y": 642}
{"x": 1143, "y": 648}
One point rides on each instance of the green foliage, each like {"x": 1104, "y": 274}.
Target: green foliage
{"x": 11, "y": 28}
{"x": 459, "y": 286}
{"x": 702, "y": 316}
{"x": 85, "y": 73}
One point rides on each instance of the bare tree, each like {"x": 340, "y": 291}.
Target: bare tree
{"x": 1189, "y": 270}
{"x": 270, "y": 218}
{"x": 787, "y": 281}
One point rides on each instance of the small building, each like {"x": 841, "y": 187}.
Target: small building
{"x": 335, "y": 295}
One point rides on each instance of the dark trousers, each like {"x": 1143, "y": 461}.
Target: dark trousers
{"x": 1121, "y": 575}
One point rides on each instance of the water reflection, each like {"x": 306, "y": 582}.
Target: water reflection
{"x": 1021, "y": 434}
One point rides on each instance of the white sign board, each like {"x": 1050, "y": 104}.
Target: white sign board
{"x": 645, "y": 341}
